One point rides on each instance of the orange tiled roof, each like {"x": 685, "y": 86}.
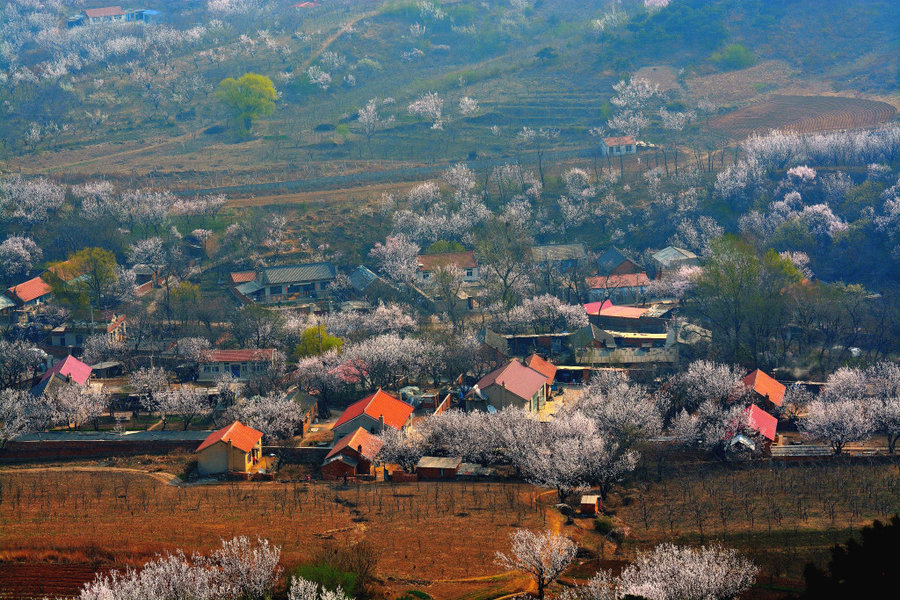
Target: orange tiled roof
{"x": 608, "y": 309}
{"x": 380, "y": 404}
{"x": 241, "y": 355}
{"x": 240, "y": 436}
{"x": 360, "y": 438}
{"x": 243, "y": 276}
{"x": 625, "y": 140}
{"x": 765, "y": 386}
{"x": 762, "y": 421}
{"x": 31, "y": 290}
{"x": 545, "y": 368}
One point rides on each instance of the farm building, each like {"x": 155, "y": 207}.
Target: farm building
{"x": 563, "y": 256}
{"x": 616, "y": 146}
{"x": 373, "y": 413}
{"x": 6, "y": 306}
{"x": 438, "y": 467}
{"x": 240, "y": 364}
{"x": 235, "y": 448}
{"x": 513, "y": 384}
{"x": 590, "y": 504}
{"x": 764, "y": 388}
{"x": 762, "y": 422}
{"x": 352, "y": 455}
{"x": 607, "y": 315}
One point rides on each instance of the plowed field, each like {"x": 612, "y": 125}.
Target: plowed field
{"x": 804, "y": 114}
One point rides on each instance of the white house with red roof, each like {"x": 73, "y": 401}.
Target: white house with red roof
{"x": 616, "y": 146}
{"x": 242, "y": 364}
{"x": 373, "y": 413}
{"x": 234, "y": 448}
{"x": 513, "y": 384}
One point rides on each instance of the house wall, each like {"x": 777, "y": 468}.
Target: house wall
{"x": 619, "y": 295}
{"x": 432, "y": 473}
{"x": 500, "y": 398}
{"x": 625, "y": 356}
{"x": 337, "y": 470}
{"x": 210, "y": 371}
{"x": 213, "y": 459}
{"x": 469, "y": 275}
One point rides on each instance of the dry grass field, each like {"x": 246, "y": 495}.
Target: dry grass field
{"x": 804, "y": 114}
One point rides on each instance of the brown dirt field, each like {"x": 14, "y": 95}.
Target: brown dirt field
{"x": 739, "y": 86}
{"x": 804, "y": 114}
{"x": 427, "y": 533}
{"x": 664, "y": 76}
{"x": 363, "y": 194}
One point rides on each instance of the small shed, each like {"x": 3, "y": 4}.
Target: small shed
{"x": 339, "y": 466}
{"x": 438, "y": 467}
{"x": 591, "y": 504}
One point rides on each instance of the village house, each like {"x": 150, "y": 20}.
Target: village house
{"x": 765, "y": 390}
{"x": 562, "y": 256}
{"x": 545, "y": 368}
{"x": 235, "y": 448}
{"x": 590, "y": 504}
{"x": 75, "y": 331}
{"x": 303, "y": 283}
{"x": 623, "y": 288}
{"x": 353, "y": 455}
{"x": 513, "y": 384}
{"x": 670, "y": 259}
{"x": 241, "y": 364}
{"x": 429, "y": 263}
{"x": 33, "y": 292}
{"x": 68, "y": 370}
{"x": 615, "y": 262}
{"x": 617, "y": 146}
{"x": 373, "y": 413}
{"x": 628, "y": 335}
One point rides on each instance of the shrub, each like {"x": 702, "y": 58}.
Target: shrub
{"x": 734, "y": 56}
{"x": 328, "y": 576}
{"x": 603, "y": 525}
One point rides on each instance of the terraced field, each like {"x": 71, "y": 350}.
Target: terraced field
{"x": 804, "y": 114}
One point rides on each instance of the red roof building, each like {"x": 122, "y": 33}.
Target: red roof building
{"x": 373, "y": 413}
{"x": 766, "y": 387}
{"x": 70, "y": 368}
{"x": 513, "y": 384}
{"x": 352, "y": 455}
{"x": 242, "y": 277}
{"x": 429, "y": 263}
{"x": 236, "y": 448}
{"x": 614, "y": 282}
{"x": 545, "y": 368}
{"x": 761, "y": 421}
{"x": 33, "y": 291}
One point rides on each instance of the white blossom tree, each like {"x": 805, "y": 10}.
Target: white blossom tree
{"x": 543, "y": 556}
{"x": 670, "y": 572}
{"x": 429, "y": 106}
{"x": 18, "y": 255}
{"x": 397, "y": 257}
{"x": 14, "y": 418}
{"x": 838, "y": 422}
{"x": 275, "y": 414}
{"x": 148, "y": 382}
{"x": 76, "y": 405}
{"x": 186, "y": 401}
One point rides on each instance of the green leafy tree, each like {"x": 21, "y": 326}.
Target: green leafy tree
{"x": 85, "y": 279}
{"x": 741, "y": 296}
{"x": 248, "y": 97}
{"x": 734, "y": 56}
{"x": 316, "y": 340}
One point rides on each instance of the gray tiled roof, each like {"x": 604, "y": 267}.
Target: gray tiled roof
{"x": 298, "y": 273}
{"x": 361, "y": 278}
{"x": 670, "y": 255}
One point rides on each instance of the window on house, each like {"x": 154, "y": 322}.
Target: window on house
{"x": 426, "y": 275}
{"x": 469, "y": 272}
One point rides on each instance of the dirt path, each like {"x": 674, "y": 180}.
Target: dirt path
{"x": 161, "y": 476}
{"x": 334, "y": 37}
